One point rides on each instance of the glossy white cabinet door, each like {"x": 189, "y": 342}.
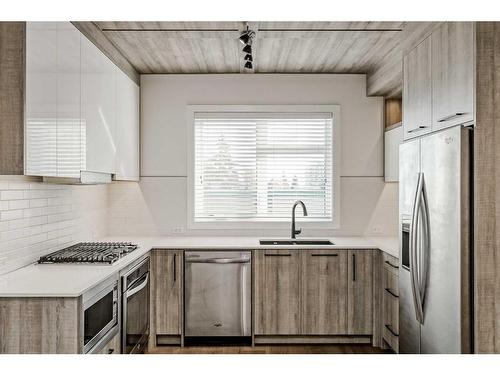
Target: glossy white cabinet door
{"x": 98, "y": 109}
{"x": 69, "y": 137}
{"x": 127, "y": 128}
{"x": 41, "y": 99}
{"x": 392, "y": 139}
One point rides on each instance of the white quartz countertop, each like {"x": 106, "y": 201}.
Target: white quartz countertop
{"x": 73, "y": 280}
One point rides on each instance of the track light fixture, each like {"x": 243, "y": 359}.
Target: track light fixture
{"x": 246, "y": 36}
{"x": 247, "y": 49}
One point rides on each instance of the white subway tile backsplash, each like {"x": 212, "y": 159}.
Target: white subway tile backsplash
{"x": 11, "y": 215}
{"x": 41, "y": 202}
{"x": 37, "y": 218}
{"x": 11, "y": 194}
{"x": 17, "y": 205}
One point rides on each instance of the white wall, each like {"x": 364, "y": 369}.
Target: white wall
{"x": 157, "y": 205}
{"x": 38, "y": 218}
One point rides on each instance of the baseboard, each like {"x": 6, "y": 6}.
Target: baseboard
{"x": 168, "y": 340}
{"x": 311, "y": 339}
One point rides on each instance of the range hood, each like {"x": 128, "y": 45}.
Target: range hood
{"x": 86, "y": 178}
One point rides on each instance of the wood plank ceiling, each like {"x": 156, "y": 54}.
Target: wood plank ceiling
{"x": 373, "y": 48}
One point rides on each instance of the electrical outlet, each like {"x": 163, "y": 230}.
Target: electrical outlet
{"x": 377, "y": 229}
{"x": 178, "y": 230}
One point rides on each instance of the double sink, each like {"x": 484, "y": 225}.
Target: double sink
{"x": 296, "y": 242}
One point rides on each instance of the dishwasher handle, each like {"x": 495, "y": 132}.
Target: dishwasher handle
{"x": 217, "y": 260}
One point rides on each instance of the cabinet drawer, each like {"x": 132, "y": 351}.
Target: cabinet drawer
{"x": 390, "y": 305}
{"x": 391, "y": 264}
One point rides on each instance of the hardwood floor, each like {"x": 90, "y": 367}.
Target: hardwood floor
{"x": 271, "y": 349}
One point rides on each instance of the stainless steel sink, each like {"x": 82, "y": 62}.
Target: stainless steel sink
{"x": 296, "y": 242}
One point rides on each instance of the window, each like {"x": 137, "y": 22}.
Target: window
{"x": 250, "y": 164}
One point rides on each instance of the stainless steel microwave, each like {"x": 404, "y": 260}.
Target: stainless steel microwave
{"x": 100, "y": 313}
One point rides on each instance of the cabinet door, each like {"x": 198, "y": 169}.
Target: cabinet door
{"x": 127, "y": 128}
{"x": 69, "y": 140}
{"x": 392, "y": 139}
{"x": 41, "y": 99}
{"x": 324, "y": 298}
{"x": 417, "y": 91}
{"x": 360, "y": 292}
{"x": 453, "y": 74}
{"x": 277, "y": 292}
{"x": 166, "y": 292}
{"x": 98, "y": 109}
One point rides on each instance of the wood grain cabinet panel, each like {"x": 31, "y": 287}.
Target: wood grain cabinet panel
{"x": 417, "y": 91}
{"x": 390, "y": 302}
{"x": 166, "y": 292}
{"x": 40, "y": 325}
{"x": 453, "y": 74}
{"x": 324, "y": 292}
{"x": 277, "y": 292}
{"x": 360, "y": 292}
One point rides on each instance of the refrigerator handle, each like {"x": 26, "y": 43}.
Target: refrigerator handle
{"x": 414, "y": 264}
{"x": 426, "y": 245}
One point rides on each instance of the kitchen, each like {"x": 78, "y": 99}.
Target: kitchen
{"x": 266, "y": 187}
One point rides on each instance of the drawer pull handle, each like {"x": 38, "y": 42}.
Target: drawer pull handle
{"x": 111, "y": 351}
{"x": 277, "y": 255}
{"x": 417, "y": 129}
{"x": 392, "y": 265}
{"x": 450, "y": 117}
{"x": 390, "y": 330}
{"x": 324, "y": 255}
{"x": 391, "y": 293}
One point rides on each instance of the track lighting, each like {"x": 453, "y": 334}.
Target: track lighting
{"x": 246, "y": 36}
{"x": 247, "y": 49}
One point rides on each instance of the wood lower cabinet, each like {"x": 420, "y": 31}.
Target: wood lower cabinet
{"x": 277, "y": 292}
{"x": 324, "y": 304}
{"x": 360, "y": 292}
{"x": 390, "y": 302}
{"x": 313, "y": 292}
{"x": 166, "y": 293}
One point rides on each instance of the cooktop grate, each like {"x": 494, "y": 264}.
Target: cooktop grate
{"x": 90, "y": 252}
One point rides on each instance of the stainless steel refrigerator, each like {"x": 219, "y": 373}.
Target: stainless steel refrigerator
{"x": 435, "y": 255}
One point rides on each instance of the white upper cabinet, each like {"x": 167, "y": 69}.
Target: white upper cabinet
{"x": 98, "y": 105}
{"x": 392, "y": 139}
{"x": 453, "y": 74}
{"x": 82, "y": 111}
{"x": 69, "y": 137}
{"x": 127, "y": 129}
{"x": 41, "y": 99}
{"x": 417, "y": 91}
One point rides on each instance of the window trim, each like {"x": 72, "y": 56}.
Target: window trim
{"x": 334, "y": 109}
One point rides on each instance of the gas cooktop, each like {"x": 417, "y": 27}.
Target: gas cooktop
{"x": 90, "y": 252}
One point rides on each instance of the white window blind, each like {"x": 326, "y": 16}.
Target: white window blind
{"x": 254, "y": 166}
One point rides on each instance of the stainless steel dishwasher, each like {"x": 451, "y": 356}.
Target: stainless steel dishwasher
{"x": 217, "y": 297}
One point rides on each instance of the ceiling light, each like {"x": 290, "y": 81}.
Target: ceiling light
{"x": 247, "y": 48}
{"x": 248, "y": 57}
{"x": 248, "y": 65}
